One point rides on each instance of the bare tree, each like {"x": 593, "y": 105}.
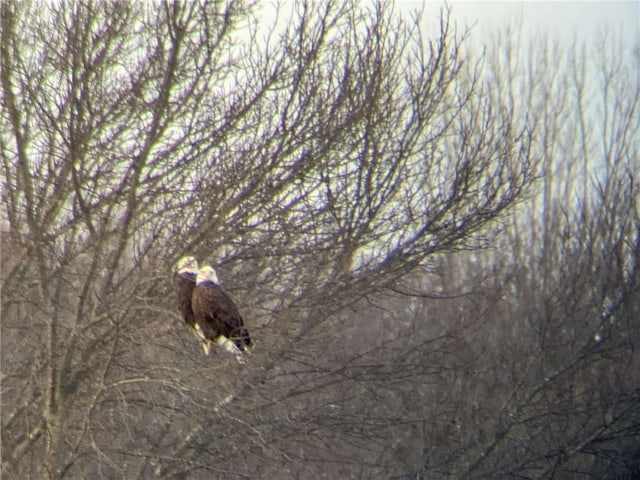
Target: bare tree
{"x": 321, "y": 166}
{"x": 532, "y": 370}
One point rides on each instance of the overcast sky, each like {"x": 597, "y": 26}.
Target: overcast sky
{"x": 564, "y": 20}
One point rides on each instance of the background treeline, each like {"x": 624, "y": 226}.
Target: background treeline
{"x": 436, "y": 249}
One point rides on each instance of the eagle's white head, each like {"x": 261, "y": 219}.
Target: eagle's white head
{"x": 187, "y": 265}
{"x": 207, "y": 274}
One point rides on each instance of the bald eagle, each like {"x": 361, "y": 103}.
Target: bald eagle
{"x": 184, "y": 281}
{"x": 217, "y": 315}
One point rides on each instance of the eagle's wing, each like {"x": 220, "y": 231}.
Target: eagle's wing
{"x": 184, "y": 286}
{"x": 218, "y": 315}
{"x": 233, "y": 324}
{"x": 206, "y": 311}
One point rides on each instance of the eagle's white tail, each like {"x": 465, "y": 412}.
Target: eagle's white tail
{"x": 230, "y": 347}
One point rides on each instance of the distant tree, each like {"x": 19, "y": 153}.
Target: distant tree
{"x": 531, "y": 368}
{"x": 318, "y": 164}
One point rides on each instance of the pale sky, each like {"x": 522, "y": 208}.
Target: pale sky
{"x": 564, "y": 20}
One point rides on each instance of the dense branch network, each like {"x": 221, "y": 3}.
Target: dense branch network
{"x": 334, "y": 165}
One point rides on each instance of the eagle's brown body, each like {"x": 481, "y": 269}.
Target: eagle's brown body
{"x": 184, "y": 284}
{"x": 217, "y": 315}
